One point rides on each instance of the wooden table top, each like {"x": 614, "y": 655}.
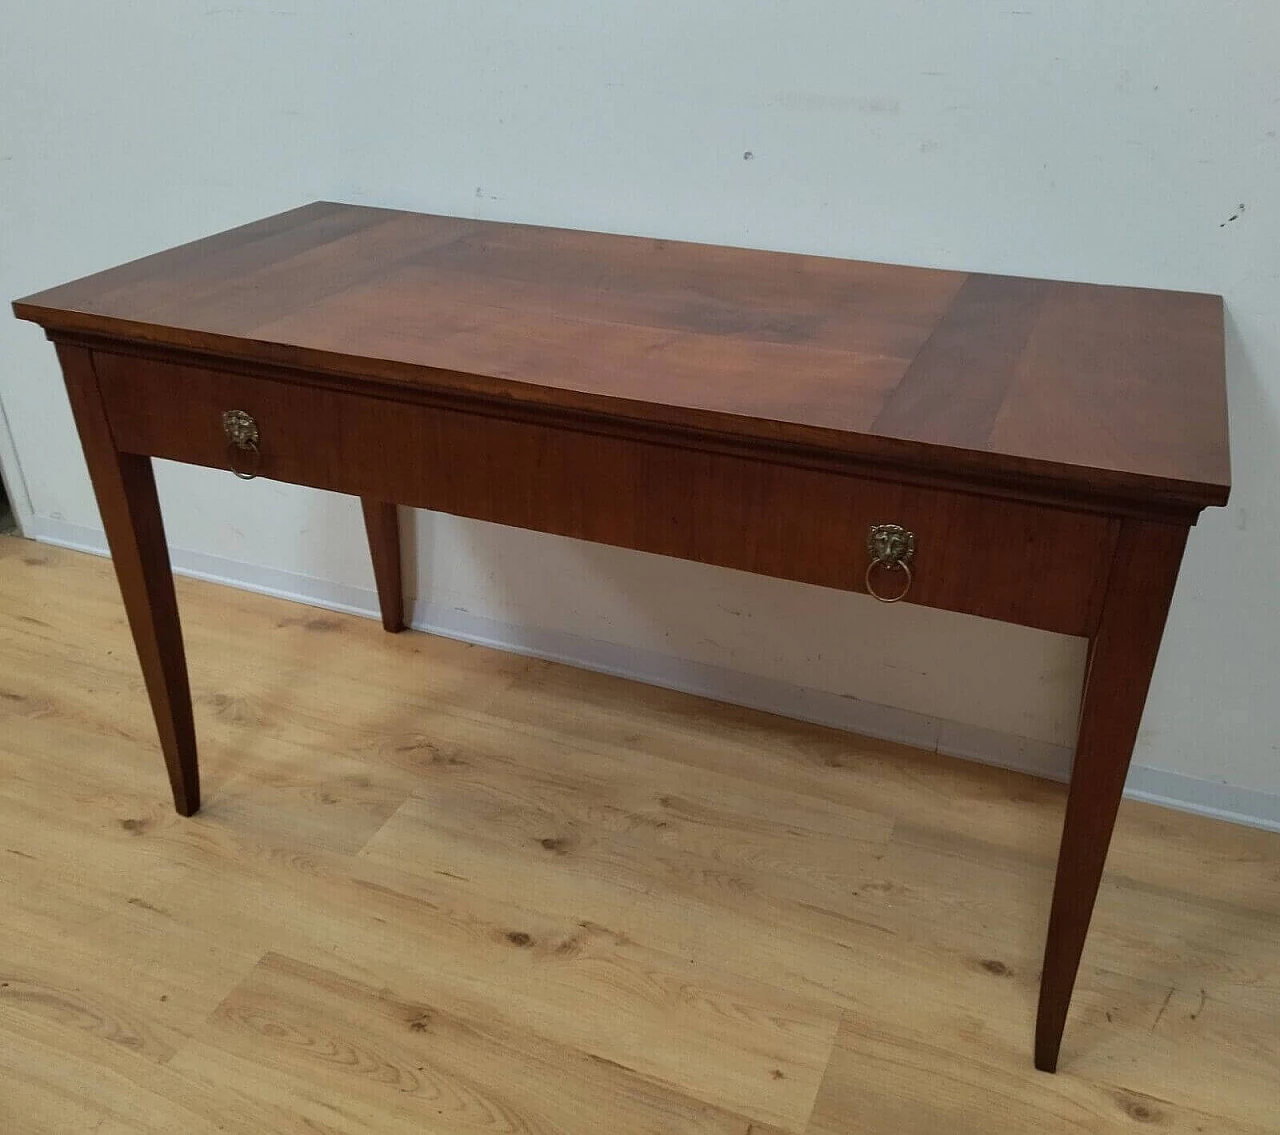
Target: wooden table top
{"x": 1080, "y": 388}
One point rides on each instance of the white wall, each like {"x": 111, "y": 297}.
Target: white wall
{"x": 1102, "y": 141}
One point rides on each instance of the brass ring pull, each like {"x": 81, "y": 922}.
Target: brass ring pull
{"x": 243, "y": 454}
{"x": 252, "y": 459}
{"x": 891, "y": 547}
{"x": 871, "y": 567}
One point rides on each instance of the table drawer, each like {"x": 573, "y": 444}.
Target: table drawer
{"x": 1025, "y": 563}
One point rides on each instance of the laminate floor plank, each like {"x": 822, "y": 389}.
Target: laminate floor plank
{"x": 889, "y": 1077}
{"x": 405, "y": 1064}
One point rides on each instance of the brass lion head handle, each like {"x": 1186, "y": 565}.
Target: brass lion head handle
{"x": 891, "y": 548}
{"x": 242, "y": 443}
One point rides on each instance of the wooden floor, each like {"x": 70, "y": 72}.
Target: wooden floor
{"x": 436, "y": 888}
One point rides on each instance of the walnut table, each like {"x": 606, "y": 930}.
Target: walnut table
{"x": 1019, "y": 449}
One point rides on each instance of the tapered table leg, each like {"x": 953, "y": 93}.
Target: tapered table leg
{"x": 126, "y": 492}
{"x": 382, "y": 523}
{"x": 1122, "y": 657}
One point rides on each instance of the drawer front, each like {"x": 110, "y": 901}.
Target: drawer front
{"x": 1024, "y": 563}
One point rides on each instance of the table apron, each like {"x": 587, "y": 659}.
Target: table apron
{"x": 1036, "y": 565}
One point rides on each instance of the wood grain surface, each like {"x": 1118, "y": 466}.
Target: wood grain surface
{"x": 1122, "y": 658}
{"x": 1001, "y": 559}
{"x": 436, "y": 888}
{"x": 1078, "y": 388}
{"x": 382, "y": 526}
{"x": 125, "y": 488}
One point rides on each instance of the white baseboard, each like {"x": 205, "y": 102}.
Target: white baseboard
{"x": 1158, "y": 786}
